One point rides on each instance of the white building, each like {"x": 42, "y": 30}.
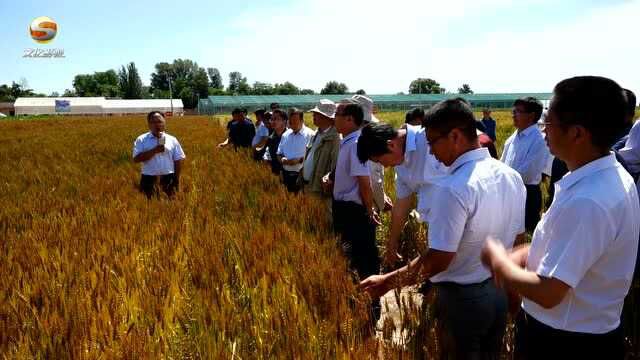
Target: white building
{"x": 142, "y": 106}
{"x": 93, "y": 106}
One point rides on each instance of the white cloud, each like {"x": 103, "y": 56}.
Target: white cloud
{"x": 382, "y": 45}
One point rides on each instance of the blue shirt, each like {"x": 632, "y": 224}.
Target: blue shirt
{"x": 489, "y": 127}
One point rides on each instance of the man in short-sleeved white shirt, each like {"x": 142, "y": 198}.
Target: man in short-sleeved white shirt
{"x": 576, "y": 273}
{"x": 526, "y": 152}
{"x": 470, "y": 308}
{"x": 161, "y": 156}
{"x": 354, "y": 213}
{"x": 292, "y": 148}
{"x": 407, "y": 150}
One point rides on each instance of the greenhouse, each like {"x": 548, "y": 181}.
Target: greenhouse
{"x": 225, "y": 104}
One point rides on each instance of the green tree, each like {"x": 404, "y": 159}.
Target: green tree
{"x": 334, "y": 88}
{"x": 361, "y": 92}
{"x": 238, "y": 85}
{"x": 260, "y": 88}
{"x": 215, "y": 78}
{"x": 425, "y": 86}
{"x": 130, "y": 82}
{"x": 286, "y": 88}
{"x": 465, "y": 89}
{"x": 307, "y": 92}
{"x": 188, "y": 81}
{"x": 103, "y": 83}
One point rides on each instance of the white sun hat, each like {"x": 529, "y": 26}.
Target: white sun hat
{"x": 325, "y": 107}
{"x": 367, "y": 107}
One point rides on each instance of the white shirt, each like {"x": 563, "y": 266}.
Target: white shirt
{"x": 294, "y": 145}
{"x": 527, "y": 153}
{"x": 419, "y": 166}
{"x": 348, "y": 168}
{"x": 588, "y": 239}
{"x": 481, "y": 197}
{"x": 261, "y": 133}
{"x": 631, "y": 150}
{"x": 376, "y": 178}
{"x": 162, "y": 163}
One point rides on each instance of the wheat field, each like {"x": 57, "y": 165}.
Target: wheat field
{"x": 232, "y": 268}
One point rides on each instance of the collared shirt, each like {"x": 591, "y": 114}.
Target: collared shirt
{"x": 307, "y": 169}
{"x": 588, "y": 239}
{"x": 419, "y": 166}
{"x": 469, "y": 199}
{"x": 241, "y": 133}
{"x": 348, "y": 168}
{"x": 526, "y": 152}
{"x": 631, "y": 150}
{"x": 261, "y": 133}
{"x": 293, "y": 146}
{"x": 161, "y": 163}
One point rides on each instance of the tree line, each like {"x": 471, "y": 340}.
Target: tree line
{"x": 190, "y": 82}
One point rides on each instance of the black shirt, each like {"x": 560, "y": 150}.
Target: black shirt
{"x": 241, "y": 133}
{"x": 273, "y": 141}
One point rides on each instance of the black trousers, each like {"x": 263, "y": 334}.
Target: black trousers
{"x": 168, "y": 184}
{"x": 535, "y": 340}
{"x": 533, "y": 207}
{"x": 358, "y": 241}
{"x": 290, "y": 180}
{"x": 472, "y": 319}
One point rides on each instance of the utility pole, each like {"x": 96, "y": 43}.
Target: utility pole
{"x": 170, "y": 94}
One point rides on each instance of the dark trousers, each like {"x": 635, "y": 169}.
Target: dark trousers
{"x": 358, "y": 241}
{"x": 168, "y": 184}
{"x": 472, "y": 319}
{"x": 257, "y": 155}
{"x": 533, "y": 207}
{"x": 535, "y": 340}
{"x": 290, "y": 180}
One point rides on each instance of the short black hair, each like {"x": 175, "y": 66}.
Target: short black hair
{"x": 631, "y": 102}
{"x": 417, "y": 113}
{"x": 260, "y": 112}
{"x": 236, "y": 111}
{"x": 460, "y": 98}
{"x": 353, "y": 109}
{"x": 274, "y": 106}
{"x": 373, "y": 140}
{"x": 282, "y": 114}
{"x": 452, "y": 114}
{"x": 530, "y": 105}
{"x": 596, "y": 103}
{"x": 151, "y": 114}
{"x": 296, "y": 111}
{"x": 408, "y": 117}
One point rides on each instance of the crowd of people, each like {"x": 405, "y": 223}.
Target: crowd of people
{"x": 566, "y": 288}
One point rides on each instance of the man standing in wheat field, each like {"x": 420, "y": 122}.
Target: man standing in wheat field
{"x": 161, "y": 156}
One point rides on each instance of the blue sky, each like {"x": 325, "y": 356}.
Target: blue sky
{"x": 380, "y": 46}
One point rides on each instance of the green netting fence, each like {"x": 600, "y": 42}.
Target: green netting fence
{"x": 225, "y": 104}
